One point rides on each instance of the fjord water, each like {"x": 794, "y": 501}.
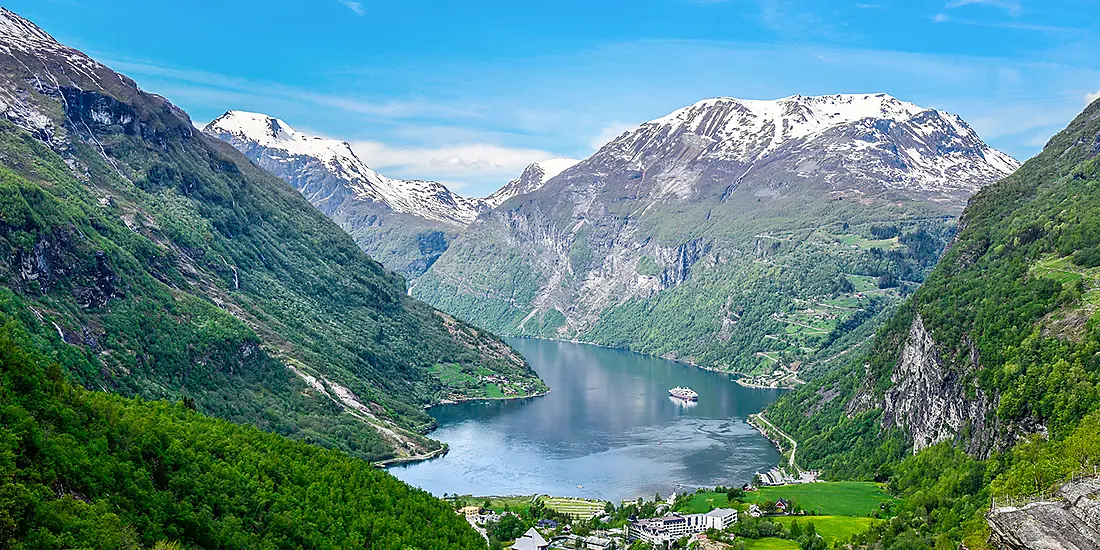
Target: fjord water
{"x": 608, "y": 429}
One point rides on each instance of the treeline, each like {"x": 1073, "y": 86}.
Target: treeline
{"x": 83, "y": 469}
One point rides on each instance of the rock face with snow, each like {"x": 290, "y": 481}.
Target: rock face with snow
{"x": 405, "y": 224}
{"x": 696, "y": 203}
{"x": 532, "y": 179}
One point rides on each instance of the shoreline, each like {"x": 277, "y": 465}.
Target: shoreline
{"x": 735, "y": 377}
{"x": 406, "y": 460}
{"x": 402, "y": 460}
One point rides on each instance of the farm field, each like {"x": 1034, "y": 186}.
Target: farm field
{"x": 702, "y": 503}
{"x": 576, "y": 507}
{"x": 840, "y": 498}
{"x": 769, "y": 544}
{"x": 833, "y": 528}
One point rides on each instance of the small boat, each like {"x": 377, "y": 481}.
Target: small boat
{"x": 686, "y": 394}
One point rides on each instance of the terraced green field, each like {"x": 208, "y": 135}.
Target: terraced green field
{"x": 576, "y": 507}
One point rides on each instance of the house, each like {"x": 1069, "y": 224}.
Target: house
{"x": 783, "y": 505}
{"x": 546, "y": 524}
{"x": 469, "y": 511}
{"x": 531, "y": 540}
{"x": 754, "y": 511}
{"x": 597, "y": 543}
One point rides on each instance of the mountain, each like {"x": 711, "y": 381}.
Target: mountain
{"x": 532, "y": 179}
{"x": 150, "y": 260}
{"x": 404, "y": 224}
{"x": 750, "y": 236}
{"x": 983, "y": 390}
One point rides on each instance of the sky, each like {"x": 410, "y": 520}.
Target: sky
{"x": 468, "y": 93}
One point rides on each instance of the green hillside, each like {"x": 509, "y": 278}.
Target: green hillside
{"x": 159, "y": 262}
{"x": 86, "y": 469}
{"x": 1011, "y": 311}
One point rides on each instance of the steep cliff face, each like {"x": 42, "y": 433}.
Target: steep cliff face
{"x": 932, "y": 401}
{"x": 1071, "y": 521}
{"x": 781, "y": 226}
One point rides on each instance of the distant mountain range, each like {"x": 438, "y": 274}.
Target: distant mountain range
{"x": 405, "y": 224}
{"x": 737, "y": 234}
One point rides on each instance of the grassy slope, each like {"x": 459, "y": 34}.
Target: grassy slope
{"x": 81, "y": 469}
{"x": 845, "y": 498}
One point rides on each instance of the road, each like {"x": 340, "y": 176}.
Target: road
{"x": 794, "y": 444}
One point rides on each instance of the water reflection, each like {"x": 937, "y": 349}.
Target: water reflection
{"x": 608, "y": 429}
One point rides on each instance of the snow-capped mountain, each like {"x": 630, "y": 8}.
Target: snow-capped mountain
{"x": 532, "y": 179}
{"x": 728, "y": 208}
{"x": 327, "y": 170}
{"x": 874, "y": 137}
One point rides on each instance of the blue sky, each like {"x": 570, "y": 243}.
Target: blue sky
{"x": 469, "y": 92}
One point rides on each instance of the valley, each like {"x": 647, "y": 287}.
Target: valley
{"x": 494, "y": 314}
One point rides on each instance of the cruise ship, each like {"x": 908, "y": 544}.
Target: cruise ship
{"x": 687, "y": 394}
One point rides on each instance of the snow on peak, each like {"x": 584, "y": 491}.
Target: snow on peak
{"x": 877, "y": 136}
{"x": 781, "y": 120}
{"x": 532, "y": 179}
{"x": 295, "y": 152}
{"x": 551, "y": 168}
{"x": 21, "y": 33}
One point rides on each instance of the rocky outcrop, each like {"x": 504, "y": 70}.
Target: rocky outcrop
{"x": 932, "y": 400}
{"x": 1071, "y": 521}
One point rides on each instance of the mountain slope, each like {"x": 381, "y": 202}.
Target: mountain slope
{"x": 404, "y": 224}
{"x": 166, "y": 265}
{"x": 752, "y": 236}
{"x": 86, "y": 469}
{"x": 991, "y": 371}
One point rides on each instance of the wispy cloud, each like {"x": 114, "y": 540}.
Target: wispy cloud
{"x": 1089, "y": 98}
{"x": 354, "y": 6}
{"x": 450, "y": 164}
{"x": 1011, "y": 6}
{"x": 210, "y": 85}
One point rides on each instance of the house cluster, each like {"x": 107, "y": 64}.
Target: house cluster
{"x": 775, "y": 476}
{"x": 782, "y": 506}
{"x": 676, "y": 526}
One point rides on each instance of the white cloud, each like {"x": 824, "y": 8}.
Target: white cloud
{"x": 452, "y": 163}
{"x": 1011, "y": 6}
{"x": 354, "y": 6}
{"x": 608, "y": 133}
{"x": 1089, "y": 98}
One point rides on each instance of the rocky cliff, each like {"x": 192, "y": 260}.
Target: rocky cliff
{"x": 1070, "y": 521}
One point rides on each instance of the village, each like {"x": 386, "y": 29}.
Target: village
{"x": 800, "y": 512}
{"x": 790, "y": 506}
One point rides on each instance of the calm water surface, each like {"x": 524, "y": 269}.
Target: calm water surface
{"x": 607, "y": 429}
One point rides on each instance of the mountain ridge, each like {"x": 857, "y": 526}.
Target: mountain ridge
{"x": 672, "y": 213}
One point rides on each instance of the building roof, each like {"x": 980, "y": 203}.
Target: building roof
{"x": 535, "y": 536}
{"x": 525, "y": 543}
{"x": 722, "y": 512}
